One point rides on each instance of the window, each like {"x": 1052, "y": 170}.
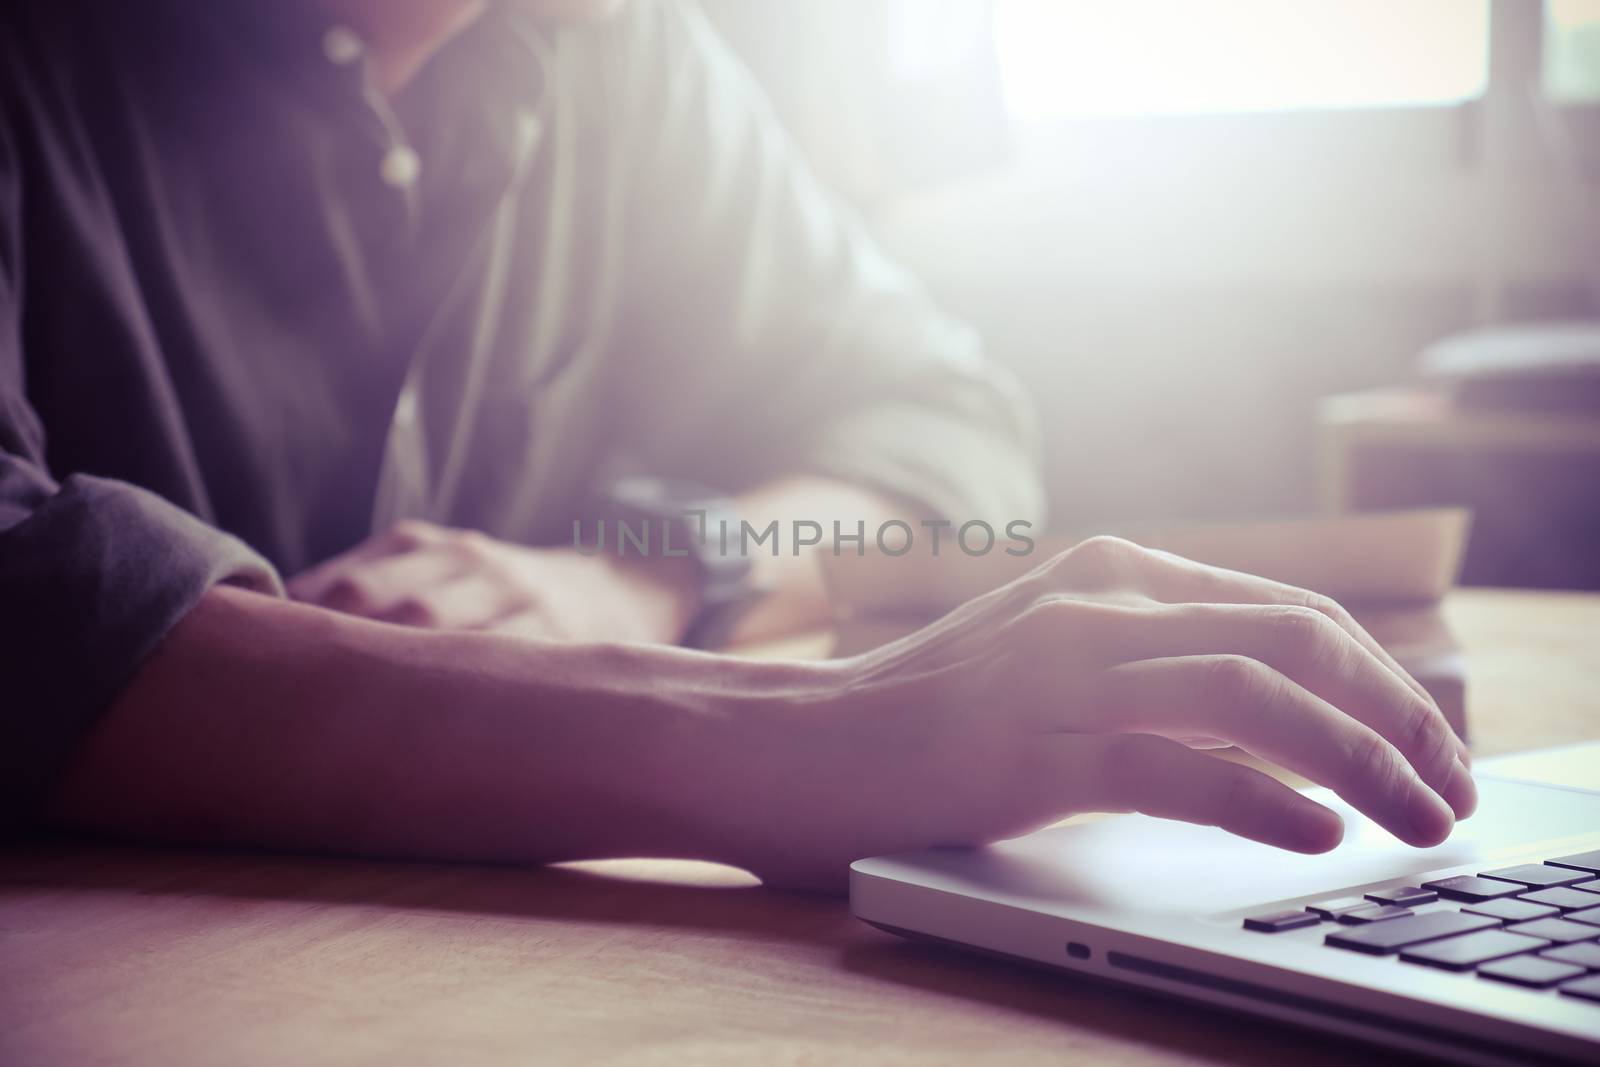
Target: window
{"x": 1083, "y": 58}
{"x": 1572, "y": 51}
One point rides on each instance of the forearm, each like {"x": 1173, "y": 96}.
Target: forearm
{"x": 267, "y": 723}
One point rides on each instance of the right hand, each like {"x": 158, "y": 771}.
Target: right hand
{"x": 1087, "y": 685}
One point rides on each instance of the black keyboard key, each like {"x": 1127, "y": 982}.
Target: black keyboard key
{"x": 1534, "y": 971}
{"x": 1407, "y": 896}
{"x": 1558, "y": 930}
{"x": 1332, "y": 909}
{"x": 1587, "y": 988}
{"x": 1380, "y": 939}
{"x": 1466, "y": 887}
{"x": 1563, "y": 898}
{"x": 1279, "y": 921}
{"x": 1582, "y": 953}
{"x": 1373, "y": 913}
{"x": 1511, "y": 909}
{"x": 1583, "y": 861}
{"x": 1466, "y": 952}
{"x": 1587, "y": 915}
{"x": 1536, "y": 875}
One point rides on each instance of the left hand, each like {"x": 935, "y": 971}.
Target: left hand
{"x": 419, "y": 574}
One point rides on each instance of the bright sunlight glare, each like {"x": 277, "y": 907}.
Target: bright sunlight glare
{"x": 1069, "y": 58}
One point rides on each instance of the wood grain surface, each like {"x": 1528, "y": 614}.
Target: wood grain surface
{"x": 147, "y": 956}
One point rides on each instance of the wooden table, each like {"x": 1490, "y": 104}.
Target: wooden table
{"x": 131, "y": 955}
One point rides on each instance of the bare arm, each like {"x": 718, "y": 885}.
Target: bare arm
{"x": 267, "y": 723}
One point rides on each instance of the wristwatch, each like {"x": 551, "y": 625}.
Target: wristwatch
{"x": 687, "y": 519}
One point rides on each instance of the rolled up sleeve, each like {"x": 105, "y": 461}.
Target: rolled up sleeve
{"x": 93, "y": 572}
{"x": 94, "y": 575}
{"x": 766, "y": 332}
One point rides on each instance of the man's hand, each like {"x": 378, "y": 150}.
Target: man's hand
{"x": 419, "y": 574}
{"x": 1086, "y": 686}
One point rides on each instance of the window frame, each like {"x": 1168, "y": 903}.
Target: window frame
{"x": 1443, "y": 193}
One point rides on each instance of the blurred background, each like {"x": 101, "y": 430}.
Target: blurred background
{"x": 1221, "y": 241}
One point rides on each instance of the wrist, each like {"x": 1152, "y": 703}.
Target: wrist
{"x": 704, "y": 752}
{"x": 650, "y": 750}
{"x": 769, "y": 749}
{"x": 712, "y": 586}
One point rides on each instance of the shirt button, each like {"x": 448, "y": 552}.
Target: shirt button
{"x": 341, "y": 45}
{"x": 399, "y": 167}
{"x": 405, "y": 409}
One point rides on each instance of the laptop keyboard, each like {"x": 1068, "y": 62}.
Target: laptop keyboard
{"x": 1535, "y": 925}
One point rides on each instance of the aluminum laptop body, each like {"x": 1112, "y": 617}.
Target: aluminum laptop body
{"x": 1163, "y": 905}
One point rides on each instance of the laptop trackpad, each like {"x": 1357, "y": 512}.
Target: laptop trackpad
{"x": 1157, "y": 866}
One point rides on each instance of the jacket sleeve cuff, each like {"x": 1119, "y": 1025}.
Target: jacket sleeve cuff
{"x": 94, "y": 577}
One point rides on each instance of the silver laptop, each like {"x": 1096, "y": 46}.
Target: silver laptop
{"x": 1483, "y": 950}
